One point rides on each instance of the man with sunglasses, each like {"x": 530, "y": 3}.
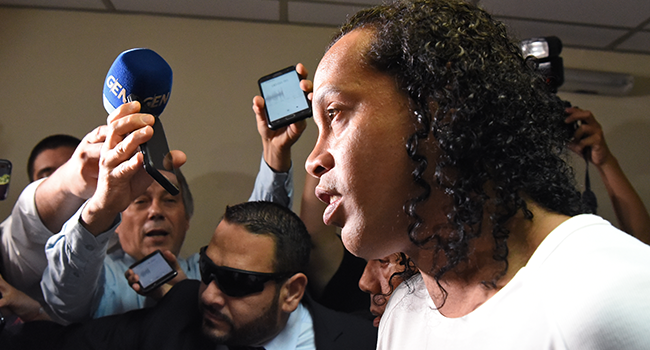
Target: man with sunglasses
{"x": 251, "y": 296}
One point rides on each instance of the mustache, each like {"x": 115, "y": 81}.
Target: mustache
{"x": 214, "y": 313}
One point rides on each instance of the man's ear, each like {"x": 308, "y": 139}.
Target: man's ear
{"x": 292, "y": 291}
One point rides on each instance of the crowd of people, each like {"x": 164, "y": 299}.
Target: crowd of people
{"x": 439, "y": 212}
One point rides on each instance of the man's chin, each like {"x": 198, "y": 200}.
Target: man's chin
{"x": 214, "y": 332}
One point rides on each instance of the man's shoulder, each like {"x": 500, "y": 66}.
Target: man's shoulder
{"x": 339, "y": 330}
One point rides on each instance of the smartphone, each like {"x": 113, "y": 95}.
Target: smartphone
{"x": 153, "y": 271}
{"x": 156, "y": 153}
{"x": 5, "y": 177}
{"x": 284, "y": 101}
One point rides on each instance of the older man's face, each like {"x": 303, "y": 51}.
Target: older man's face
{"x": 154, "y": 220}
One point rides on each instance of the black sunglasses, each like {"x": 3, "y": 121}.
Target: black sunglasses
{"x": 235, "y": 282}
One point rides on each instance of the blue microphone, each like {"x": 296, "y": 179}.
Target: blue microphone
{"x": 142, "y": 75}
{"x": 138, "y": 74}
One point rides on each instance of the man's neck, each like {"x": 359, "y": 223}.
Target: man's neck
{"x": 467, "y": 286}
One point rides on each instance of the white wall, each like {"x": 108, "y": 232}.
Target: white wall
{"x": 53, "y": 64}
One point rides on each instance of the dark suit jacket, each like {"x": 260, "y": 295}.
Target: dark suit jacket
{"x": 174, "y": 324}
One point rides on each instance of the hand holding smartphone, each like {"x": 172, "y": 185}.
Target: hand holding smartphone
{"x": 153, "y": 271}
{"x": 156, "y": 153}
{"x": 285, "y": 103}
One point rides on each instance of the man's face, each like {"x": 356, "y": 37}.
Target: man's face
{"x": 360, "y": 155}
{"x": 49, "y": 160}
{"x": 154, "y": 220}
{"x": 376, "y": 281}
{"x": 251, "y": 319}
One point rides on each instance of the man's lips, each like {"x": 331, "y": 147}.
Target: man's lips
{"x": 323, "y": 195}
{"x": 213, "y": 316}
{"x": 156, "y": 233}
{"x": 377, "y": 312}
{"x": 332, "y": 200}
{"x": 376, "y": 320}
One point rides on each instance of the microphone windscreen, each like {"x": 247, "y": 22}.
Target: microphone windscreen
{"x": 142, "y": 73}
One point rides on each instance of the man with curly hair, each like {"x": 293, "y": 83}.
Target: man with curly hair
{"x": 437, "y": 140}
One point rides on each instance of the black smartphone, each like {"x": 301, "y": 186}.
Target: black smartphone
{"x": 157, "y": 158}
{"x": 153, "y": 271}
{"x": 5, "y": 178}
{"x": 284, "y": 101}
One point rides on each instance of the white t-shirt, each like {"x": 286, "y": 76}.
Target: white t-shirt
{"x": 587, "y": 286}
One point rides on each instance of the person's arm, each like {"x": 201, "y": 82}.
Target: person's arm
{"x": 327, "y": 251}
{"x": 62, "y": 193}
{"x": 272, "y": 186}
{"x": 274, "y": 181}
{"x": 630, "y": 211}
{"x": 23, "y": 239}
{"x": 41, "y": 210}
{"x": 71, "y": 281}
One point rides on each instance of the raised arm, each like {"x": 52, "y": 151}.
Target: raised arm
{"x": 631, "y": 213}
{"x": 274, "y": 181}
{"x": 41, "y": 210}
{"x": 60, "y": 195}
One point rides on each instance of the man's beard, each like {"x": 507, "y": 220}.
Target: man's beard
{"x": 255, "y": 332}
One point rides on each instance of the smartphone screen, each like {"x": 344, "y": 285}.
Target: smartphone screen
{"x": 153, "y": 271}
{"x": 5, "y": 178}
{"x": 284, "y": 101}
{"x": 157, "y": 159}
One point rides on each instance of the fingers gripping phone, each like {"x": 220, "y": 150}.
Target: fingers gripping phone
{"x": 284, "y": 101}
{"x": 156, "y": 153}
{"x": 5, "y": 178}
{"x": 153, "y": 271}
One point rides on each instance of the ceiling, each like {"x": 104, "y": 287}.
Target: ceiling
{"x": 610, "y": 25}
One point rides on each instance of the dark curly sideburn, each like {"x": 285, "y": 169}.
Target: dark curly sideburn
{"x": 499, "y": 131}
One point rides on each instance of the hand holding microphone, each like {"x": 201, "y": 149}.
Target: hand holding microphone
{"x": 142, "y": 75}
{"x": 121, "y": 176}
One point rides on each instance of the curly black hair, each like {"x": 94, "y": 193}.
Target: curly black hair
{"x": 498, "y": 129}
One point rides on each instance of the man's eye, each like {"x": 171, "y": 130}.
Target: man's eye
{"x": 331, "y": 113}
